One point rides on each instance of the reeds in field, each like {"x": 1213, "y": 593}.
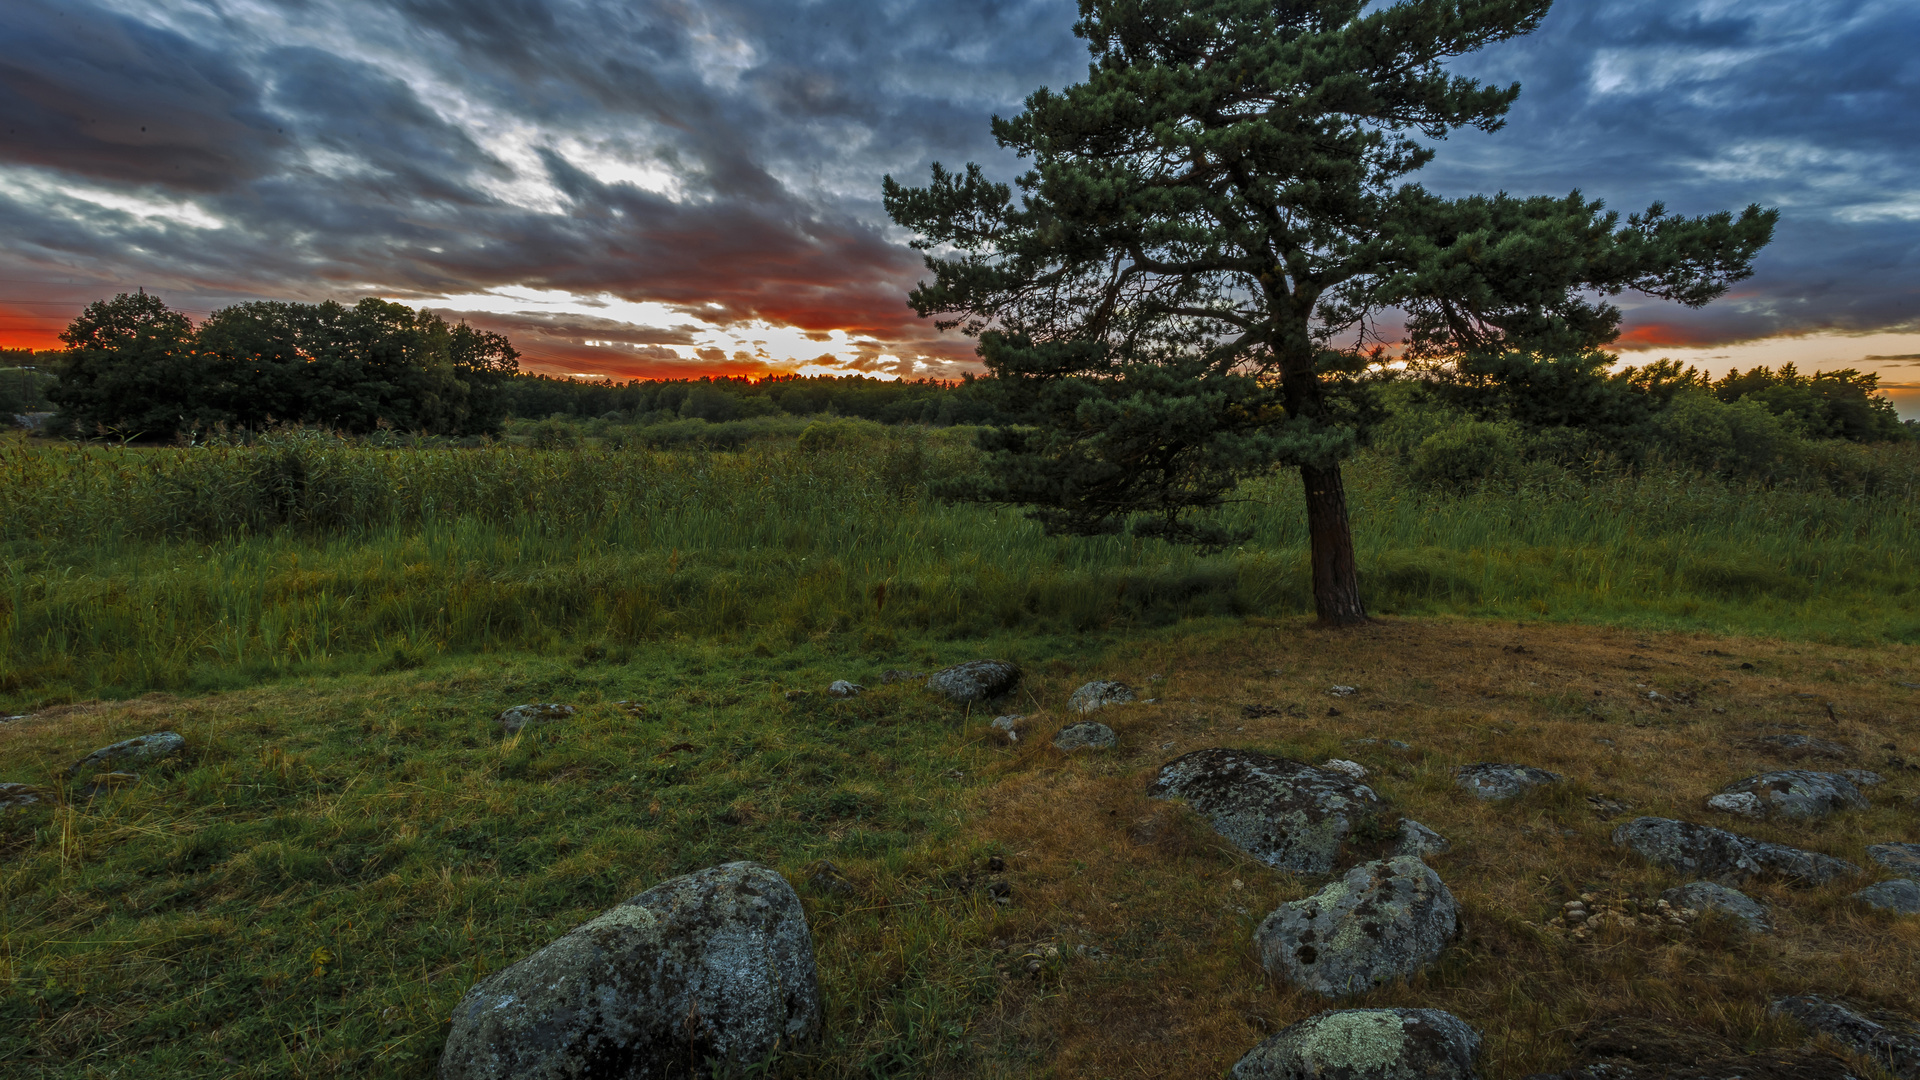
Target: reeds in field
{"x": 136, "y": 568}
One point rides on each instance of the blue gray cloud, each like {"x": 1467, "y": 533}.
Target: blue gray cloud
{"x": 723, "y": 158}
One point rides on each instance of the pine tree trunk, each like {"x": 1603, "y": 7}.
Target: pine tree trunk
{"x": 1336, "y": 579}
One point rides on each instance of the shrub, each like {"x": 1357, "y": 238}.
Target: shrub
{"x": 1465, "y": 455}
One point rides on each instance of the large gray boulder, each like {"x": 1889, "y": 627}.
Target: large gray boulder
{"x": 1893, "y": 1041}
{"x": 1902, "y": 859}
{"x": 1367, "y": 1044}
{"x": 1716, "y": 854}
{"x": 1799, "y": 793}
{"x": 1494, "y": 780}
{"x": 714, "y": 968}
{"x": 1285, "y": 813}
{"x": 1381, "y": 922}
{"x": 1901, "y": 895}
{"x": 975, "y": 680}
{"x": 131, "y": 755}
{"x": 1099, "y": 695}
{"x": 1710, "y": 896}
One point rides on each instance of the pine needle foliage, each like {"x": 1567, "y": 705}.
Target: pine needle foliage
{"x": 1186, "y": 291}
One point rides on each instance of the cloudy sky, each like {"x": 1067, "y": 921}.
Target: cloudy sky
{"x": 663, "y": 187}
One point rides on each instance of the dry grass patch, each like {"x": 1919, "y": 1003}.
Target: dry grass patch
{"x": 1174, "y": 990}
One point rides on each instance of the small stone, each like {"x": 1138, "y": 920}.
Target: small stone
{"x": 15, "y": 796}
{"x": 1085, "y": 735}
{"x": 1900, "y": 858}
{"x": 1801, "y": 794}
{"x": 841, "y": 688}
{"x": 540, "y": 713}
{"x": 1098, "y": 695}
{"x": 827, "y": 878}
{"x": 1707, "y": 896}
{"x": 1801, "y": 746}
{"x": 1494, "y": 780}
{"x": 975, "y": 680}
{"x": 1341, "y": 765}
{"x": 1367, "y": 1044}
{"x": 1606, "y": 807}
{"x": 1900, "y": 895}
{"x": 1342, "y": 691}
{"x": 1741, "y": 803}
{"x": 1419, "y": 841}
{"x": 132, "y": 754}
{"x": 109, "y": 782}
{"x": 1008, "y": 725}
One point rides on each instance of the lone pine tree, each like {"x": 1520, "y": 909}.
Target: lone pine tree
{"x": 1184, "y": 293}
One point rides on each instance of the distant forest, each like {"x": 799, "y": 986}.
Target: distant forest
{"x": 136, "y": 370}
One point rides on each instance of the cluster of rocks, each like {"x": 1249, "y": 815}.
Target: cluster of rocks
{"x": 1678, "y": 907}
{"x": 108, "y": 769}
{"x": 715, "y": 970}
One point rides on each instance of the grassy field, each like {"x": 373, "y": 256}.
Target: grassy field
{"x": 337, "y": 859}
{"x": 349, "y": 842}
{"x": 134, "y": 570}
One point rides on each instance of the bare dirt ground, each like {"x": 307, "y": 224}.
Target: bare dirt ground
{"x": 1140, "y": 918}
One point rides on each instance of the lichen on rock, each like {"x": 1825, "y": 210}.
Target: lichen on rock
{"x": 1367, "y": 1044}
{"x": 132, "y": 754}
{"x": 1719, "y": 855}
{"x": 1098, "y": 695}
{"x": 1801, "y": 793}
{"x": 712, "y": 968}
{"x": 1285, "y": 813}
{"x": 975, "y": 680}
{"x": 1383, "y": 921}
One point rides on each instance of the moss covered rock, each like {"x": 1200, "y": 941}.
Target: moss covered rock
{"x": 131, "y": 755}
{"x": 1381, "y": 922}
{"x": 711, "y": 970}
{"x": 1367, "y": 1044}
{"x": 1285, "y": 813}
{"x": 975, "y": 680}
{"x": 1719, "y": 855}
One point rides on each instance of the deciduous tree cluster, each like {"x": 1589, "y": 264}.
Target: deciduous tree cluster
{"x": 136, "y": 369}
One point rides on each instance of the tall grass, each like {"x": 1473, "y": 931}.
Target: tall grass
{"x": 128, "y": 569}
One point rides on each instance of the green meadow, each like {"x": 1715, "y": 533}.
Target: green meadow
{"x": 130, "y": 570}
{"x": 349, "y": 842}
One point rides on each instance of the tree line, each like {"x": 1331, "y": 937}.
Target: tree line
{"x": 135, "y": 369}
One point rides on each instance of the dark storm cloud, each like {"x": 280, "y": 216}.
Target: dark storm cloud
{"x": 1810, "y": 107}
{"x": 97, "y": 94}
{"x": 358, "y": 148}
{"x": 723, "y": 157}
